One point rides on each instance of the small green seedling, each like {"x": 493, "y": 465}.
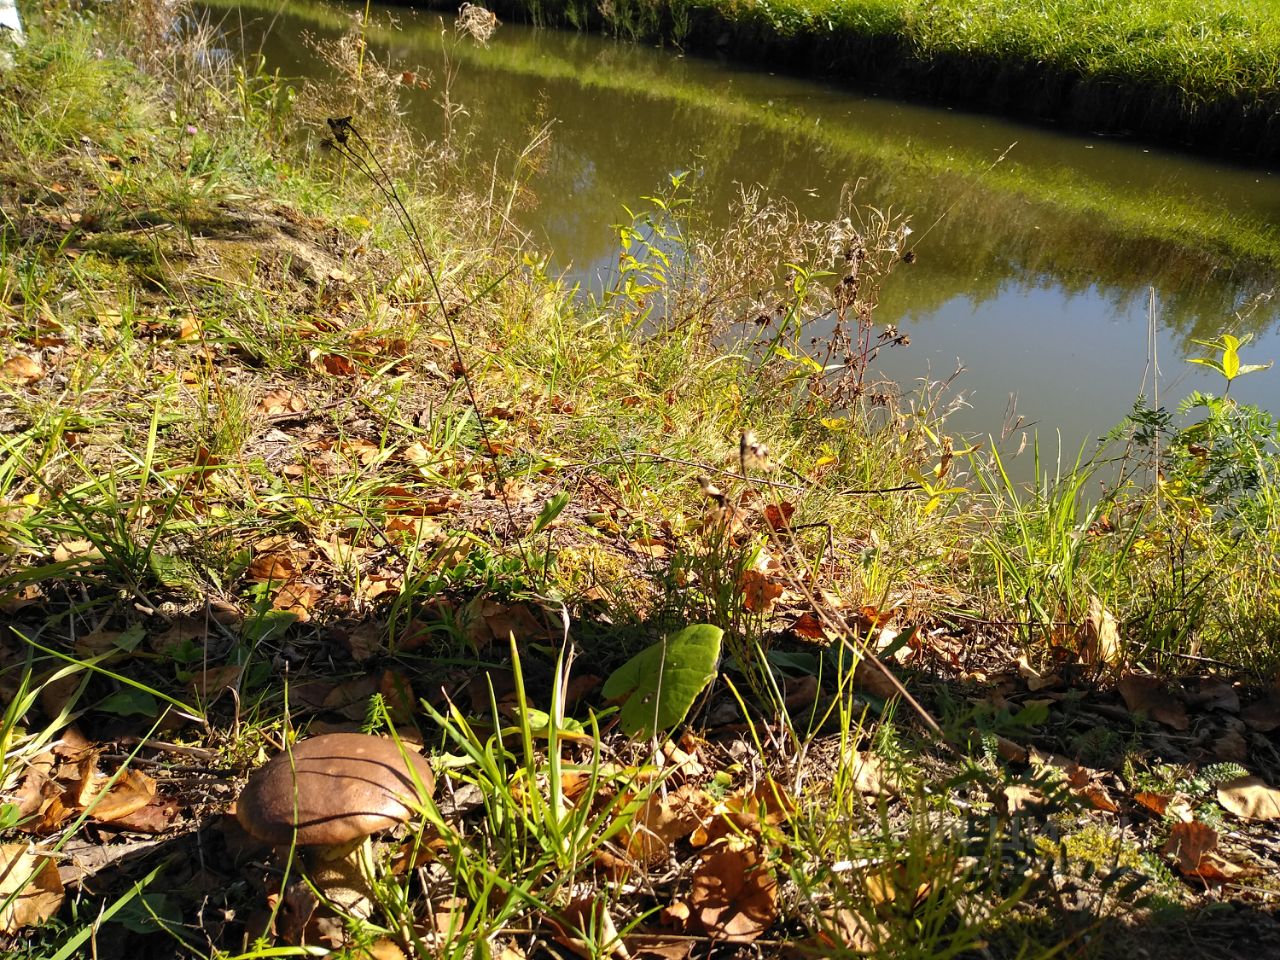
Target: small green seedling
{"x": 662, "y": 681}
{"x": 1228, "y": 362}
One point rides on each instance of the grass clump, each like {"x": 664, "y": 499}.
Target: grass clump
{"x": 297, "y": 442}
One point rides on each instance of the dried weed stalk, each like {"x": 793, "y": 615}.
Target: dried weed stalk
{"x": 777, "y": 279}
{"x": 183, "y": 49}
{"x": 477, "y": 22}
{"x": 359, "y": 85}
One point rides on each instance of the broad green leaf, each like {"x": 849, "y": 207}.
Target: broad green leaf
{"x": 268, "y": 624}
{"x": 662, "y": 681}
{"x": 1209, "y": 362}
{"x": 793, "y": 663}
{"x": 130, "y": 637}
{"x": 540, "y": 724}
{"x": 1255, "y": 367}
{"x": 555, "y": 506}
{"x": 130, "y": 702}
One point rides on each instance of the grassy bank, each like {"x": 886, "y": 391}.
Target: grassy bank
{"x": 1202, "y": 74}
{"x": 300, "y": 437}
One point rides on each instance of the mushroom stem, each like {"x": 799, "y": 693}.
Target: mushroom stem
{"x": 344, "y": 876}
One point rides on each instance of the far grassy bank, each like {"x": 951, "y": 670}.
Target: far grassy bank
{"x": 1202, "y": 74}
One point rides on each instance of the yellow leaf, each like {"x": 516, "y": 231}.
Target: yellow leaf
{"x": 21, "y": 369}
{"x": 30, "y": 889}
{"x": 1102, "y": 636}
{"x": 130, "y": 793}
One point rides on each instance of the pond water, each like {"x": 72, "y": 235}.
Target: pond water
{"x": 1033, "y": 276}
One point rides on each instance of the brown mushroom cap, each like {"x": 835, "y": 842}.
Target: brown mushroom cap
{"x": 332, "y": 789}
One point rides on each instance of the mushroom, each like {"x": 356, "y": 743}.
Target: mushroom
{"x": 330, "y": 794}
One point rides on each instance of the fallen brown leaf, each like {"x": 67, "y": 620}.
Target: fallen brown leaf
{"x": 724, "y": 521}
{"x": 350, "y": 698}
{"x": 778, "y": 515}
{"x": 30, "y": 889}
{"x": 298, "y": 598}
{"x": 379, "y": 582}
{"x": 1194, "y": 846}
{"x": 872, "y": 678}
{"x": 1217, "y": 694}
{"x": 767, "y": 803}
{"x": 1264, "y": 715}
{"x": 848, "y": 930}
{"x": 416, "y": 529}
{"x": 1149, "y": 696}
{"x": 873, "y": 618}
{"x": 446, "y": 916}
{"x": 96, "y": 642}
{"x": 1018, "y": 798}
{"x": 397, "y": 694}
{"x": 650, "y": 547}
{"x": 211, "y": 683}
{"x": 1069, "y": 768}
{"x": 1101, "y": 640}
{"x": 273, "y": 567}
{"x": 676, "y": 915}
{"x": 1098, "y": 796}
{"x": 364, "y": 641}
{"x": 1231, "y": 747}
{"x": 869, "y": 775}
{"x": 798, "y": 693}
{"x": 889, "y": 884}
{"x": 661, "y": 820}
{"x": 1013, "y": 752}
{"x": 518, "y": 619}
{"x": 59, "y": 693}
{"x": 734, "y": 894}
{"x": 334, "y": 364}
{"x": 586, "y": 927}
{"x": 341, "y": 554}
{"x": 419, "y": 454}
{"x": 132, "y": 791}
{"x": 1037, "y": 680}
{"x": 1250, "y": 797}
{"x": 658, "y": 947}
{"x": 25, "y": 596}
{"x": 808, "y": 626}
{"x": 683, "y": 757}
{"x": 277, "y": 402}
{"x": 39, "y": 797}
{"x": 69, "y": 550}
{"x": 156, "y": 817}
{"x": 21, "y": 369}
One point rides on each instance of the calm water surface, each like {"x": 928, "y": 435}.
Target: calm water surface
{"x": 1045, "y": 307}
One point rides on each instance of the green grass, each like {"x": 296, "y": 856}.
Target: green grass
{"x": 1204, "y": 73}
{"x": 240, "y": 452}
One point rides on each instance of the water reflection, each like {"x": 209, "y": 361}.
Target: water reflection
{"x": 1035, "y": 277}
